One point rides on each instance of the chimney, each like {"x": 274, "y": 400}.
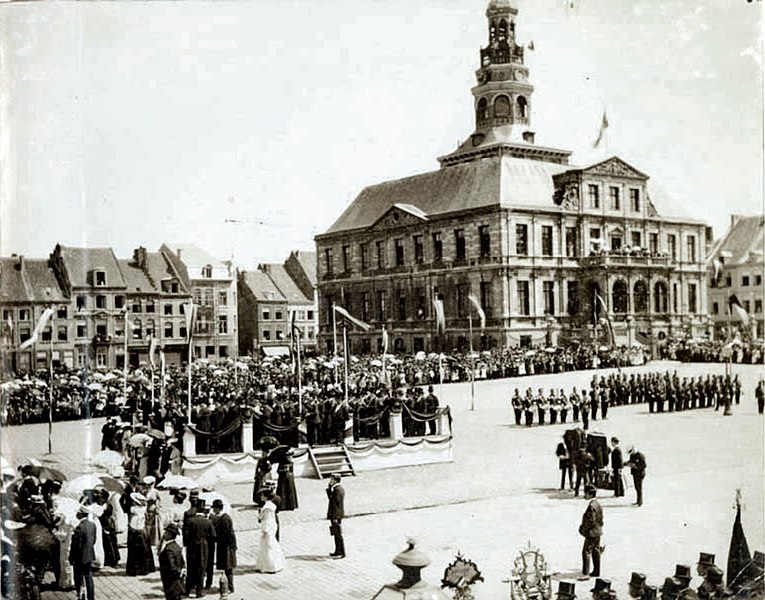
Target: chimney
{"x": 21, "y": 262}
{"x": 139, "y": 257}
{"x": 528, "y": 137}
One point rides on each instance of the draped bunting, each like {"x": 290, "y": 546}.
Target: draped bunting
{"x": 424, "y": 418}
{"x": 216, "y": 434}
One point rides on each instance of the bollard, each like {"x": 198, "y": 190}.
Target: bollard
{"x": 189, "y": 443}
{"x": 396, "y": 425}
{"x": 247, "y": 439}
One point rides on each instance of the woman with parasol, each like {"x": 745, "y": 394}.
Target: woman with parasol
{"x": 270, "y": 555}
{"x": 285, "y": 485}
{"x": 140, "y": 560}
{"x": 263, "y": 468}
{"x": 108, "y": 528}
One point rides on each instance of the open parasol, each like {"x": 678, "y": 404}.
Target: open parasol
{"x": 180, "y": 482}
{"x": 139, "y": 439}
{"x": 49, "y": 473}
{"x": 156, "y": 433}
{"x": 75, "y": 488}
{"x": 278, "y": 453}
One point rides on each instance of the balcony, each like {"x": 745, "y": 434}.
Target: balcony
{"x": 607, "y": 260}
{"x": 101, "y": 339}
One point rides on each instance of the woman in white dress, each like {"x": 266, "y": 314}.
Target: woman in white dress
{"x": 270, "y": 555}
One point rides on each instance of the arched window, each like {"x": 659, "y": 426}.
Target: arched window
{"x": 619, "y": 296}
{"x": 502, "y": 106}
{"x": 482, "y": 111}
{"x": 640, "y": 296}
{"x": 593, "y": 290}
{"x": 660, "y": 297}
{"x": 523, "y": 107}
{"x": 502, "y": 30}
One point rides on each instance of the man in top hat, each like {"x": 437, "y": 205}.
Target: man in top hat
{"x": 601, "y": 587}
{"x": 705, "y": 562}
{"x": 566, "y": 591}
{"x": 198, "y": 530}
{"x": 712, "y": 586}
{"x": 225, "y": 543}
{"x": 336, "y": 513}
{"x": 171, "y": 564}
{"x": 650, "y": 592}
{"x": 683, "y": 573}
{"x": 637, "y": 585}
{"x": 591, "y": 529}
{"x": 617, "y": 462}
{"x": 82, "y": 553}
{"x": 671, "y": 588}
{"x": 637, "y": 466}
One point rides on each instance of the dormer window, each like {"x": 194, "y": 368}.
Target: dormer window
{"x": 99, "y": 276}
{"x": 207, "y": 271}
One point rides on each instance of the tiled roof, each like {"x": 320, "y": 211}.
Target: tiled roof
{"x": 79, "y": 262}
{"x": 286, "y": 285}
{"x": 135, "y": 279}
{"x": 193, "y": 256}
{"x": 13, "y": 287}
{"x": 160, "y": 268}
{"x": 42, "y": 281}
{"x": 744, "y": 238}
{"x": 307, "y": 260}
{"x": 261, "y": 286}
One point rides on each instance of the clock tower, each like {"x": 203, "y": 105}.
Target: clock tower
{"x": 502, "y": 97}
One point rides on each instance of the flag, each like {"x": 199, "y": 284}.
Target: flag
{"x": 738, "y": 553}
{"x": 346, "y": 315}
{"x": 38, "y": 329}
{"x": 438, "y": 306}
{"x": 384, "y": 341}
{"x": 607, "y": 318}
{"x": 294, "y": 342}
{"x": 735, "y": 308}
{"x": 190, "y": 314}
{"x": 602, "y": 132}
{"x": 162, "y": 363}
{"x": 531, "y": 45}
{"x": 479, "y": 310}
{"x": 153, "y": 344}
{"x": 718, "y": 268}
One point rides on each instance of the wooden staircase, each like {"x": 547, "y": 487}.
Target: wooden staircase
{"x": 331, "y": 459}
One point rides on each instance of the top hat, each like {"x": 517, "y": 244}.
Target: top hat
{"x": 671, "y": 587}
{"x": 683, "y": 572}
{"x": 590, "y": 489}
{"x": 607, "y": 595}
{"x": 566, "y": 589}
{"x": 172, "y": 528}
{"x": 649, "y": 592}
{"x": 193, "y": 493}
{"x": 637, "y": 580}
{"x": 601, "y": 585}
{"x": 217, "y": 503}
{"x": 706, "y": 559}
{"x": 714, "y": 575}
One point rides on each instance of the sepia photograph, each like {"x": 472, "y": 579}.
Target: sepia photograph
{"x": 382, "y": 299}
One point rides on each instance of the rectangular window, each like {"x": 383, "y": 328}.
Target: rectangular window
{"x": 653, "y": 243}
{"x": 522, "y": 240}
{"x": 223, "y": 298}
{"x": 61, "y": 312}
{"x": 523, "y": 297}
{"x": 728, "y": 280}
{"x": 24, "y": 334}
{"x": 119, "y": 302}
{"x": 328, "y": 262}
{"x": 173, "y": 287}
{"x": 402, "y": 305}
{"x": 635, "y": 199}
{"x": 572, "y": 242}
{"x": 572, "y": 300}
{"x": 672, "y": 246}
{"x": 419, "y": 254}
{"x": 101, "y": 278}
{"x": 382, "y": 305}
{"x": 24, "y": 314}
{"x": 82, "y": 302}
{"x": 548, "y": 292}
{"x": 758, "y": 280}
{"x": 222, "y": 324}
{"x": 136, "y": 306}
{"x": 691, "y": 248}
{"x": 150, "y": 330}
{"x": 365, "y": 256}
{"x": 346, "y": 259}
{"x": 266, "y": 313}
{"x": 745, "y": 280}
{"x": 674, "y": 298}
{"x": 715, "y": 308}
{"x": 101, "y": 330}
{"x": 616, "y": 242}
{"x": 46, "y": 334}
{"x": 182, "y": 332}
{"x": 746, "y": 305}
{"x": 168, "y": 308}
{"x": 636, "y": 240}
{"x": 279, "y": 315}
{"x": 485, "y": 240}
{"x": 460, "y": 299}
{"x": 758, "y": 306}
{"x": 82, "y": 330}
{"x": 547, "y": 240}
{"x": 380, "y": 248}
{"x": 309, "y": 315}
{"x": 150, "y": 306}
{"x": 438, "y": 247}
{"x": 593, "y": 194}
{"x": 364, "y": 306}
{"x": 422, "y": 303}
{"x": 613, "y": 194}
{"x": 266, "y": 334}
{"x": 63, "y": 333}
{"x": 459, "y": 244}
{"x": 168, "y": 330}
{"x": 399, "y": 245}
{"x": 485, "y": 297}
{"x": 595, "y": 233}
{"x": 101, "y": 359}
{"x": 279, "y": 334}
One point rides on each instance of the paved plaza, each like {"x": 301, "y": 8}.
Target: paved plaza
{"x": 500, "y": 492}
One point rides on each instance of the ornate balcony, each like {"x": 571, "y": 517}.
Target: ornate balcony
{"x": 608, "y": 260}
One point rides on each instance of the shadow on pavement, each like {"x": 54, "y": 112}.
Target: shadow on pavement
{"x": 577, "y": 574}
{"x": 555, "y": 493}
{"x": 311, "y": 557}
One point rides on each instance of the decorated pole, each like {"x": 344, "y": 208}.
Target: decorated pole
{"x": 125, "y": 358}
{"x": 50, "y": 390}
{"x": 472, "y": 364}
{"x": 334, "y": 339}
{"x": 347, "y": 356}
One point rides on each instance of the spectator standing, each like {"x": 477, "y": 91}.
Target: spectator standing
{"x": 82, "y": 554}
{"x": 336, "y": 513}
{"x": 617, "y": 463}
{"x": 225, "y": 539}
{"x": 637, "y": 466}
{"x": 171, "y": 564}
{"x": 591, "y": 529}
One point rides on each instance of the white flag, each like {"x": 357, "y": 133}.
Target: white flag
{"x": 38, "y": 329}
{"x": 479, "y": 310}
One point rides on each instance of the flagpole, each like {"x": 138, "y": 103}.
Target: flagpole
{"x": 50, "y": 391}
{"x": 125, "y": 359}
{"x": 188, "y": 407}
{"x": 347, "y": 356}
{"x": 162, "y": 375}
{"x": 472, "y": 364}
{"x": 334, "y": 338}
{"x": 441, "y": 375}
{"x": 300, "y": 376}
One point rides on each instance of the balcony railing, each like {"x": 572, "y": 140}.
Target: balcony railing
{"x": 625, "y": 260}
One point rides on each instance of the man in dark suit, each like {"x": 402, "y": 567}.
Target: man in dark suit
{"x": 82, "y": 553}
{"x": 591, "y": 529}
{"x": 198, "y": 530}
{"x": 617, "y": 463}
{"x": 637, "y": 466}
{"x": 335, "y": 513}
{"x": 171, "y": 564}
{"x": 225, "y": 543}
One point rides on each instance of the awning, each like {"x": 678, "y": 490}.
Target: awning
{"x": 276, "y": 350}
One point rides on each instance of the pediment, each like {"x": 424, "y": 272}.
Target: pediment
{"x": 615, "y": 167}
{"x": 400, "y": 215}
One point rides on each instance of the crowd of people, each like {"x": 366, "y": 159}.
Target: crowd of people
{"x": 738, "y": 352}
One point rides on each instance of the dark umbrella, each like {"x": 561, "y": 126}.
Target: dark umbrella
{"x": 47, "y": 473}
{"x": 277, "y": 454}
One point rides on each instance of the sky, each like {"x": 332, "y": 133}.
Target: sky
{"x": 248, "y": 127}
